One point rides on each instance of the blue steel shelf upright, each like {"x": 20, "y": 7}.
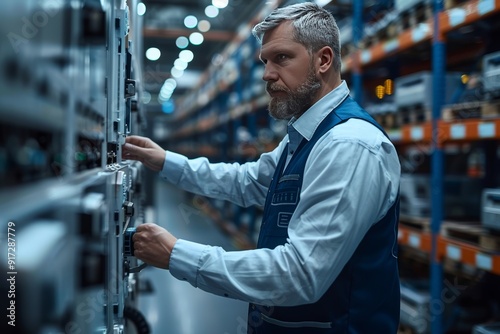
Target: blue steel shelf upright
{"x": 437, "y": 168}
{"x": 357, "y": 35}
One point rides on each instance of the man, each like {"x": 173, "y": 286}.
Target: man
{"x": 326, "y": 260}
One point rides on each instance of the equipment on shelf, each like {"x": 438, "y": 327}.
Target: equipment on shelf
{"x": 461, "y": 196}
{"x": 416, "y": 90}
{"x": 69, "y": 95}
{"x": 491, "y": 209}
{"x": 415, "y": 301}
{"x": 491, "y": 74}
{"x": 415, "y": 195}
{"x": 384, "y": 113}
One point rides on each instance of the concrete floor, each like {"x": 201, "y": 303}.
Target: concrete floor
{"x": 176, "y": 307}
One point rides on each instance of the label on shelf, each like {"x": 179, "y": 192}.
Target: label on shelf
{"x": 391, "y": 45}
{"x": 485, "y": 6}
{"x": 486, "y": 130}
{"x": 457, "y": 131}
{"x": 366, "y": 56}
{"x": 484, "y": 261}
{"x": 414, "y": 240}
{"x": 453, "y": 252}
{"x": 420, "y": 32}
{"x": 417, "y": 133}
{"x": 456, "y": 16}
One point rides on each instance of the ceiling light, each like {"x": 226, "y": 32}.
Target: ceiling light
{"x": 171, "y": 82}
{"x": 186, "y": 55}
{"x": 167, "y": 87}
{"x": 322, "y": 3}
{"x": 182, "y": 42}
{"x": 196, "y": 38}
{"x": 220, "y": 3}
{"x": 176, "y": 73}
{"x": 203, "y": 26}
{"x": 168, "y": 107}
{"x": 153, "y": 54}
{"x": 165, "y": 94}
{"x": 180, "y": 64}
{"x": 211, "y": 11}
{"x": 141, "y": 9}
{"x": 190, "y": 21}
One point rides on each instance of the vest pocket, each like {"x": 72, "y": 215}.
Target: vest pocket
{"x": 296, "y": 324}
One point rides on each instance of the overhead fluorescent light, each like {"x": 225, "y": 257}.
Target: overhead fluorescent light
{"x": 322, "y": 3}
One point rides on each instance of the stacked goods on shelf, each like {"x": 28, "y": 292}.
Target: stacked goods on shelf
{"x": 463, "y": 241}
{"x": 481, "y": 96}
{"x": 491, "y": 75}
{"x": 490, "y": 217}
{"x": 65, "y": 192}
{"x": 413, "y": 96}
{"x": 415, "y": 299}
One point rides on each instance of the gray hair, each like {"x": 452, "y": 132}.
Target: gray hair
{"x": 315, "y": 27}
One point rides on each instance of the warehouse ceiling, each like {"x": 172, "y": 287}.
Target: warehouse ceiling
{"x": 164, "y": 23}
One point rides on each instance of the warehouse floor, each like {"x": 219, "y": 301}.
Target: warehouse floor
{"x": 174, "y": 306}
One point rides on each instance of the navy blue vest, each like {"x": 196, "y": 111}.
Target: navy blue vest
{"x": 365, "y": 297}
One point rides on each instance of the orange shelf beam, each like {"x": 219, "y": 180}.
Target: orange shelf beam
{"x": 448, "y": 20}
{"x": 469, "y": 130}
{"x": 405, "y": 40}
{"x": 414, "y": 238}
{"x": 416, "y": 133}
{"x": 467, "y": 14}
{"x": 448, "y": 248}
{"x": 468, "y": 254}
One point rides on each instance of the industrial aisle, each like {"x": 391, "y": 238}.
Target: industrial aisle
{"x": 175, "y": 307}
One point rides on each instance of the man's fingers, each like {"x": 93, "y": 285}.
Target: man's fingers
{"x": 144, "y": 227}
{"x": 132, "y": 150}
{"x": 137, "y": 141}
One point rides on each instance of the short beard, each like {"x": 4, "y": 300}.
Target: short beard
{"x": 296, "y": 102}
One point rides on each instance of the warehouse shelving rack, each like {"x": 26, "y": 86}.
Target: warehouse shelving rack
{"x": 69, "y": 94}
{"x": 436, "y": 133}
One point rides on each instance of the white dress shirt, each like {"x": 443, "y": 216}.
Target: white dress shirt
{"x": 351, "y": 179}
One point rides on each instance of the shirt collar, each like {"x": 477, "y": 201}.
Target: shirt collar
{"x": 307, "y": 124}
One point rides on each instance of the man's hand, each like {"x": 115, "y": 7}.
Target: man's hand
{"x": 144, "y": 150}
{"x": 153, "y": 245}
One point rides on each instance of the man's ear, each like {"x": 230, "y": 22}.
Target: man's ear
{"x": 324, "y": 58}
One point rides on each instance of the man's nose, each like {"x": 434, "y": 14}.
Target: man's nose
{"x": 270, "y": 73}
